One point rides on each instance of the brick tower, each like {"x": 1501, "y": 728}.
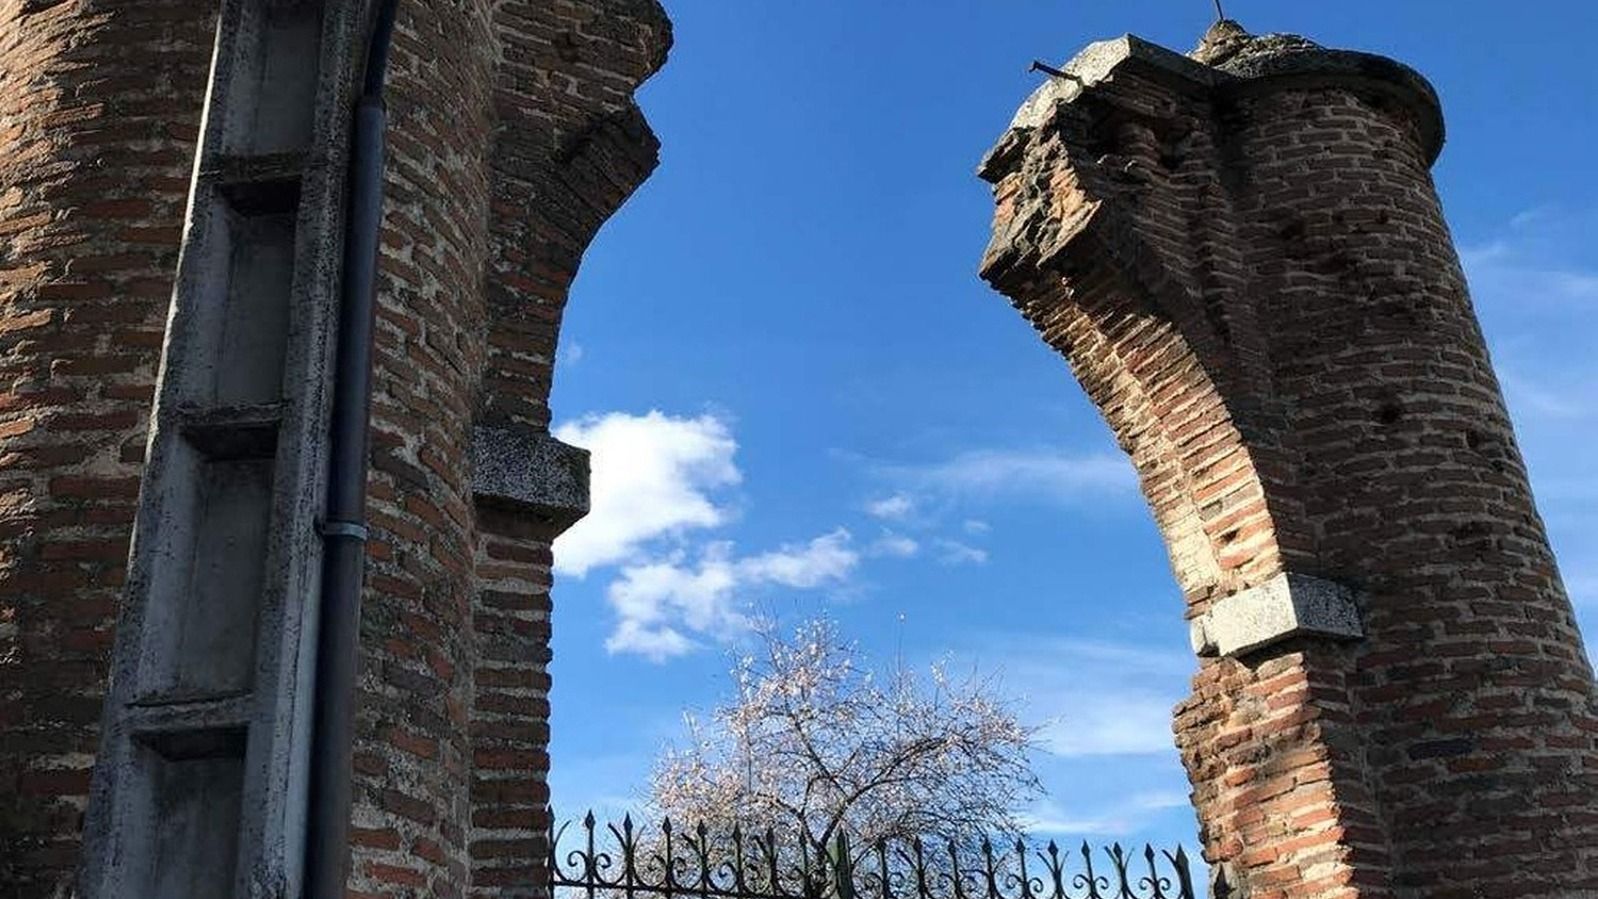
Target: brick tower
{"x": 171, "y": 192}
{"x": 1243, "y": 257}
{"x": 98, "y": 116}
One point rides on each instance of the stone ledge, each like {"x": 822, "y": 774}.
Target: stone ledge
{"x": 1288, "y": 605}
{"x": 529, "y": 471}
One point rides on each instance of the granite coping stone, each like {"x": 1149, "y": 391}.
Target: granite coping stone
{"x": 1288, "y": 605}
{"x": 524, "y": 469}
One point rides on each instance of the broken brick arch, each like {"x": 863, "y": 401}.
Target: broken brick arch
{"x": 1241, "y": 253}
{"x": 1243, "y": 257}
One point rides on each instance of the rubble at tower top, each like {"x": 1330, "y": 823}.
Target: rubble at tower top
{"x": 1228, "y": 45}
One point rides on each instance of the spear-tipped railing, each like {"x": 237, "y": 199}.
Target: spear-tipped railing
{"x": 625, "y": 861}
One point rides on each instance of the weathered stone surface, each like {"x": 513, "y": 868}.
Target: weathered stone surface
{"x": 529, "y": 470}
{"x": 1288, "y": 605}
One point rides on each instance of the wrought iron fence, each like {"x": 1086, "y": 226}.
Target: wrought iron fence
{"x": 626, "y": 861}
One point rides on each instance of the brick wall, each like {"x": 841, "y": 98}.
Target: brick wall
{"x": 510, "y": 709}
{"x": 513, "y": 136}
{"x": 413, "y": 755}
{"x": 1247, "y": 266}
{"x": 99, "y": 106}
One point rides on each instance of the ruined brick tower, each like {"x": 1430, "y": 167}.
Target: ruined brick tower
{"x": 1243, "y": 257}
{"x": 1241, "y": 253}
{"x": 171, "y": 186}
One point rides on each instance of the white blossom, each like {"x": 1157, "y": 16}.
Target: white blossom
{"x": 814, "y": 741}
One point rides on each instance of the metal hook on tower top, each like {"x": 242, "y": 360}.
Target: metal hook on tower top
{"x": 1051, "y": 71}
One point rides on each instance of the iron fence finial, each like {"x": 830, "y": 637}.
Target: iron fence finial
{"x": 633, "y": 862}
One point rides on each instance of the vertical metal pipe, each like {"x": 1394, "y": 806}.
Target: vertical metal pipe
{"x": 344, "y": 525}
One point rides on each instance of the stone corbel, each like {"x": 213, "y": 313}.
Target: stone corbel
{"x": 526, "y": 470}
{"x": 1287, "y": 605}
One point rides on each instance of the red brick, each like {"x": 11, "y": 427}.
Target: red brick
{"x": 1280, "y": 338}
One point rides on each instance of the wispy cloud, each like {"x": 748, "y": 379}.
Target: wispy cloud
{"x": 1535, "y": 287}
{"x": 1126, "y": 722}
{"x": 953, "y": 552}
{"x": 825, "y": 559}
{"x": 610, "y": 783}
{"x": 1098, "y": 698}
{"x": 1526, "y": 395}
{"x": 1581, "y": 583}
{"x": 895, "y": 546}
{"x": 1529, "y": 217}
{"x": 1123, "y": 817}
{"x": 1107, "y": 752}
{"x": 1497, "y": 268}
{"x": 897, "y": 507}
{"x": 1540, "y": 263}
{"x": 1047, "y": 474}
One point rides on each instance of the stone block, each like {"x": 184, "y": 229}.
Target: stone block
{"x": 1288, "y": 605}
{"x": 521, "y": 468}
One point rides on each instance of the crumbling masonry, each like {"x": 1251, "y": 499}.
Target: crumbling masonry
{"x": 1242, "y": 255}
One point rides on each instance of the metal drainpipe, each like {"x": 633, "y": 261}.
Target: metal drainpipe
{"x": 344, "y": 522}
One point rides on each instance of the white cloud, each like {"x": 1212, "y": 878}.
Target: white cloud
{"x": 893, "y": 545}
{"x": 653, "y": 476}
{"x": 976, "y": 526}
{"x": 654, "y": 642}
{"x": 666, "y": 607}
{"x": 953, "y": 552}
{"x": 825, "y": 559}
{"x": 655, "y": 484}
{"x": 892, "y": 508}
{"x": 571, "y": 352}
{"x": 655, "y": 600}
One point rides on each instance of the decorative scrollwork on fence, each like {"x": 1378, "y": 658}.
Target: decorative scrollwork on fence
{"x": 623, "y": 861}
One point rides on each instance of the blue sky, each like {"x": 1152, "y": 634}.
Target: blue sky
{"x": 801, "y": 398}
